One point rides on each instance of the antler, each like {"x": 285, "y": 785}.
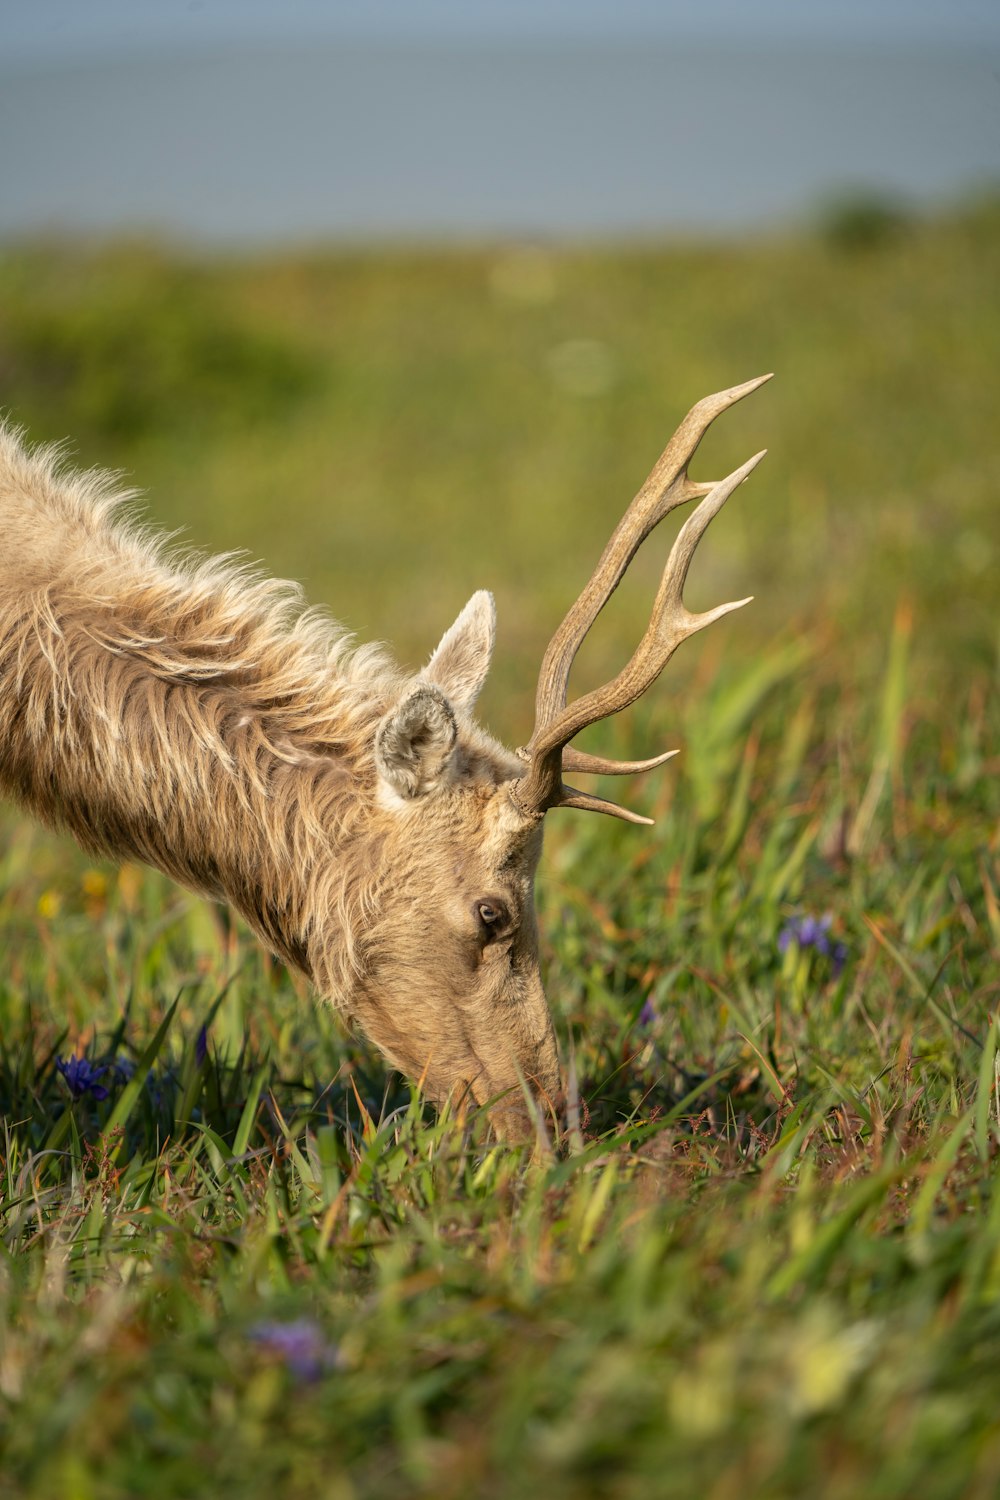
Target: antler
{"x": 556, "y": 723}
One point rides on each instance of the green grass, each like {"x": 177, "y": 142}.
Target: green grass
{"x": 764, "y": 1260}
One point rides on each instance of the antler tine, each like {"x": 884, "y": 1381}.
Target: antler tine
{"x": 666, "y": 487}
{"x": 671, "y": 622}
{"x": 599, "y": 765}
{"x": 570, "y": 797}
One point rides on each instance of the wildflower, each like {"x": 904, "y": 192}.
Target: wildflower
{"x": 49, "y": 905}
{"x": 300, "y": 1344}
{"x": 813, "y": 932}
{"x": 647, "y": 1015}
{"x": 82, "y": 1077}
{"x": 122, "y": 1068}
{"x": 201, "y": 1046}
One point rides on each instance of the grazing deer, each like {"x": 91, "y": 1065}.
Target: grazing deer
{"x": 192, "y": 715}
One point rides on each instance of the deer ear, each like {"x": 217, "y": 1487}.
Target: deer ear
{"x": 462, "y": 659}
{"x": 413, "y": 744}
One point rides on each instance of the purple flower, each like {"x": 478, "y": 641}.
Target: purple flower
{"x": 201, "y": 1046}
{"x": 647, "y": 1015}
{"x": 300, "y": 1344}
{"x": 82, "y": 1076}
{"x": 813, "y": 932}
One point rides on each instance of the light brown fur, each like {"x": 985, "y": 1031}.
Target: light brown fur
{"x": 195, "y": 716}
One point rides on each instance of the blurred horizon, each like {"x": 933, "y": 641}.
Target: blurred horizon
{"x": 242, "y": 144}
{"x": 244, "y": 125}
{"x": 53, "y": 29}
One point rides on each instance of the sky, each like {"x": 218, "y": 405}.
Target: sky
{"x": 47, "y": 29}
{"x": 267, "y": 121}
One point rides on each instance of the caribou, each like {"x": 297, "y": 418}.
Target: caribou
{"x": 196, "y": 716}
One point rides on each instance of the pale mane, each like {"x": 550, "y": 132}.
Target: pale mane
{"x": 140, "y": 684}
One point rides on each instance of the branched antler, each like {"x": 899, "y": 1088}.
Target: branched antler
{"x": 547, "y": 753}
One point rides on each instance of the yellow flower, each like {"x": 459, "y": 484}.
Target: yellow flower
{"x": 49, "y": 903}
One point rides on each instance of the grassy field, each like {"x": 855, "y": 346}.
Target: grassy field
{"x": 764, "y": 1260}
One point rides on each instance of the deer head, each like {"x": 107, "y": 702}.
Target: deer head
{"x": 449, "y": 985}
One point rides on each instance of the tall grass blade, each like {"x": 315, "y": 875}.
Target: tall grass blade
{"x": 127, "y": 1100}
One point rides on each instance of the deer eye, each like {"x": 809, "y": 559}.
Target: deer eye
{"x": 492, "y": 915}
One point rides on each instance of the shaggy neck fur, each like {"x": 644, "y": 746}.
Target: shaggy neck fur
{"x": 189, "y": 714}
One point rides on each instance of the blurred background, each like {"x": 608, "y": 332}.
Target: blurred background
{"x": 405, "y": 298}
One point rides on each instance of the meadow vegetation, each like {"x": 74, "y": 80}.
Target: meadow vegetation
{"x": 762, "y": 1259}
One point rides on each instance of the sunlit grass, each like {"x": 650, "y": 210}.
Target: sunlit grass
{"x": 763, "y": 1258}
